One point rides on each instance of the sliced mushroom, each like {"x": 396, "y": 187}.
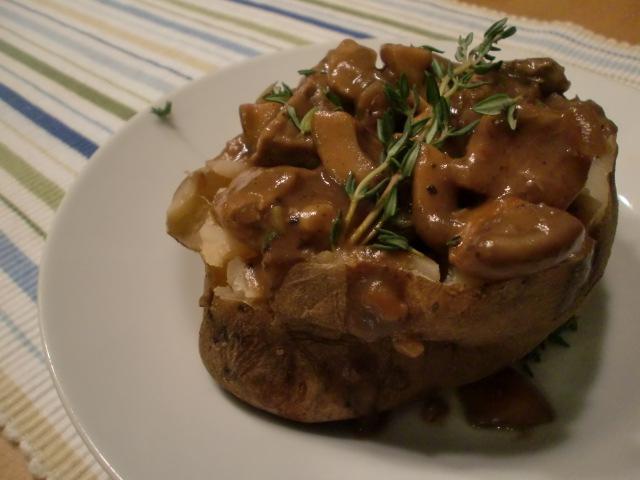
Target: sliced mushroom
{"x": 509, "y": 237}
{"x": 254, "y": 118}
{"x": 546, "y": 72}
{"x": 242, "y": 207}
{"x": 371, "y": 105}
{"x": 350, "y": 68}
{"x": 336, "y": 140}
{"x": 403, "y": 59}
{"x": 434, "y": 198}
{"x": 544, "y": 160}
{"x": 281, "y": 143}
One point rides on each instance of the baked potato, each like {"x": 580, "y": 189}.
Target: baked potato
{"x": 376, "y": 233}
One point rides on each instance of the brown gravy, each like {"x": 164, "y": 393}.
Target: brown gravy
{"x": 506, "y": 400}
{"x": 300, "y": 176}
{"x": 435, "y": 408}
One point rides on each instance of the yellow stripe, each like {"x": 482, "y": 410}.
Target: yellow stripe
{"x": 131, "y": 38}
{"x": 51, "y": 446}
{"x": 71, "y": 469}
{"x": 54, "y": 56}
{"x": 30, "y": 141}
{"x": 76, "y": 472}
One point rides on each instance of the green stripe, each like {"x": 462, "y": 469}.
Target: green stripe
{"x": 379, "y": 19}
{"x": 23, "y": 216}
{"x": 34, "y": 181}
{"x": 95, "y": 97}
{"x": 75, "y": 64}
{"x": 272, "y": 32}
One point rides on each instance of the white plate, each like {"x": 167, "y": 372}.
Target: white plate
{"x": 119, "y": 316}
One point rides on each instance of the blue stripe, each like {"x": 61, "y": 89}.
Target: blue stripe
{"x": 90, "y": 53}
{"x": 57, "y": 100}
{"x": 52, "y": 125}
{"x": 201, "y": 34}
{"x": 162, "y": 36}
{"x": 104, "y": 42}
{"x": 303, "y": 18}
{"x": 21, "y": 337}
{"x": 370, "y": 27}
{"x": 18, "y": 266}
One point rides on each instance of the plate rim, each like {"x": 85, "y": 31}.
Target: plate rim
{"x": 71, "y": 193}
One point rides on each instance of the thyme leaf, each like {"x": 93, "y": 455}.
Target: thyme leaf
{"x": 305, "y": 123}
{"x": 495, "y": 104}
{"x": 280, "y": 93}
{"x": 389, "y": 240}
{"x": 164, "y": 111}
{"x": 511, "y": 116}
{"x": 294, "y": 116}
{"x": 334, "y": 98}
{"x": 375, "y": 190}
{"x": 336, "y": 230}
{"x": 350, "y": 185}
{"x": 432, "y": 49}
{"x": 437, "y": 68}
{"x": 268, "y": 239}
{"x": 464, "y": 130}
{"x": 385, "y": 128}
{"x": 454, "y": 241}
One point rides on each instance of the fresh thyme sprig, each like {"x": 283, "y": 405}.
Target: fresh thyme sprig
{"x": 555, "y": 338}
{"x": 402, "y": 152}
{"x": 306, "y": 71}
{"x": 401, "y": 155}
{"x": 162, "y": 112}
{"x": 480, "y": 57}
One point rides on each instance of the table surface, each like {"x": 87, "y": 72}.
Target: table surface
{"x": 618, "y": 19}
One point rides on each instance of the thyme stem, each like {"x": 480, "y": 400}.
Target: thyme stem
{"x": 373, "y": 214}
{"x": 360, "y": 189}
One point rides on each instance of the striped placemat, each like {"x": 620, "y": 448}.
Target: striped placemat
{"x": 71, "y": 73}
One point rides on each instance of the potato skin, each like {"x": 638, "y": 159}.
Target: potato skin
{"x": 299, "y": 358}
{"x": 604, "y": 231}
{"x": 307, "y": 378}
